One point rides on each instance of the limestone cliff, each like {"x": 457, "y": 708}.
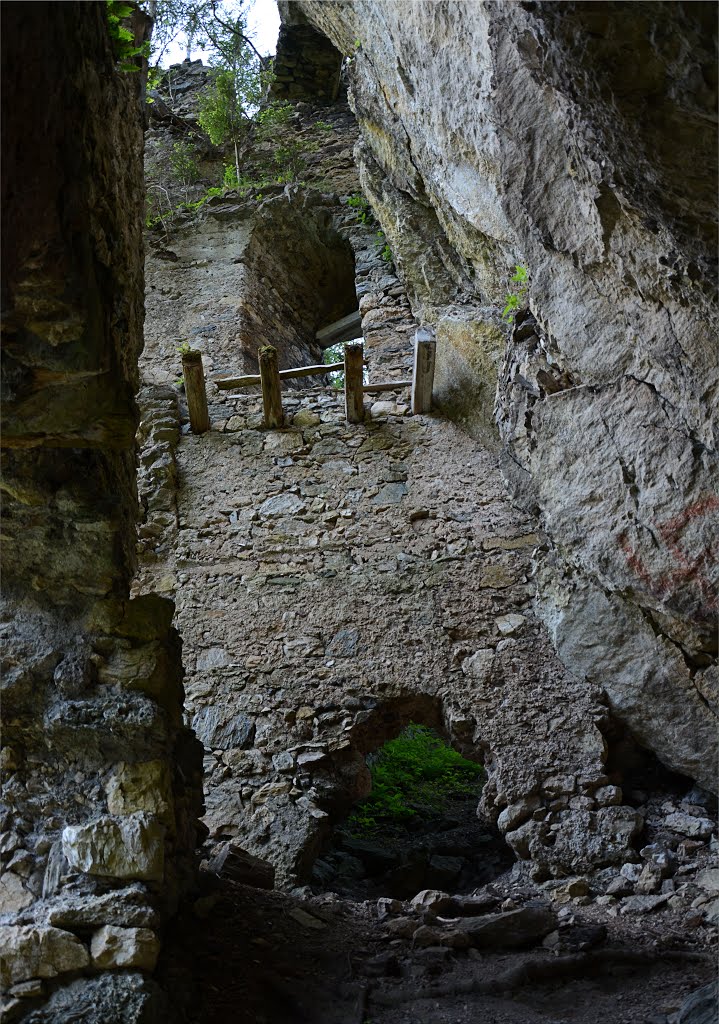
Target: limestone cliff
{"x": 576, "y": 140}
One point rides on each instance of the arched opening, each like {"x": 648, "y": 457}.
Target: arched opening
{"x": 409, "y": 821}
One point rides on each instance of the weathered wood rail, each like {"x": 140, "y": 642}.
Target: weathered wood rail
{"x": 194, "y": 377}
{"x": 270, "y": 378}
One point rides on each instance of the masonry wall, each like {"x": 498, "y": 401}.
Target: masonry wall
{"x": 101, "y": 788}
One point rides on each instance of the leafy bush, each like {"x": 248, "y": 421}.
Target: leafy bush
{"x": 274, "y": 116}
{"x": 414, "y": 773}
{"x": 229, "y": 178}
{"x": 183, "y": 164}
{"x": 362, "y": 208}
{"x": 520, "y": 278}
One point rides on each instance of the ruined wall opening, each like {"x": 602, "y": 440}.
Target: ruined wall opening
{"x": 409, "y": 819}
{"x": 299, "y": 279}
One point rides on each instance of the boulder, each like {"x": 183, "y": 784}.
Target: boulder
{"x": 28, "y": 952}
{"x": 510, "y": 930}
{"x": 125, "y": 947}
{"x": 231, "y": 861}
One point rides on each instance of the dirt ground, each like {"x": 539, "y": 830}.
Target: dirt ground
{"x": 246, "y": 956}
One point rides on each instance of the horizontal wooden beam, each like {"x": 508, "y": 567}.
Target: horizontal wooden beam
{"x": 346, "y": 329}
{"x": 388, "y": 385}
{"x": 227, "y": 383}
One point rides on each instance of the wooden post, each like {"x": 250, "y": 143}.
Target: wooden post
{"x": 195, "y": 391}
{"x": 354, "y": 366}
{"x": 424, "y": 353}
{"x": 270, "y": 380}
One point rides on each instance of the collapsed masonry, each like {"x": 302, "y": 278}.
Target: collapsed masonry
{"x": 101, "y": 781}
{"x": 334, "y": 582}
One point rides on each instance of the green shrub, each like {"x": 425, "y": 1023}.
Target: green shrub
{"x": 362, "y": 208}
{"x": 183, "y": 163}
{"x": 229, "y": 178}
{"x": 520, "y": 278}
{"x": 276, "y": 115}
{"x": 415, "y": 773}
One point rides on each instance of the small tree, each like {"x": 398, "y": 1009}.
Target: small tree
{"x": 239, "y": 73}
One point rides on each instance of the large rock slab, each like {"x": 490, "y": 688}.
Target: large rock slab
{"x": 130, "y": 847}
{"x": 509, "y": 930}
{"x": 37, "y": 952}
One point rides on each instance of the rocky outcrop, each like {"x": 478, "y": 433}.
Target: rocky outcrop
{"x": 499, "y": 134}
{"x": 100, "y": 777}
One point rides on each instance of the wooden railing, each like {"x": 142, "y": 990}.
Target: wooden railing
{"x": 270, "y": 378}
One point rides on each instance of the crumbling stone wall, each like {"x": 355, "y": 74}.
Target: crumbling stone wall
{"x": 238, "y": 526}
{"x": 272, "y": 264}
{"x": 335, "y": 582}
{"x": 307, "y": 66}
{"x": 498, "y": 134}
{"x": 101, "y": 786}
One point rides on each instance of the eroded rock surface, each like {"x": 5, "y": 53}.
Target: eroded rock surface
{"x": 546, "y": 147}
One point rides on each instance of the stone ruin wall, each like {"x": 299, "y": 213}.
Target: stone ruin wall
{"x": 550, "y": 147}
{"x": 334, "y": 582}
{"x": 392, "y": 548}
{"x": 101, "y": 781}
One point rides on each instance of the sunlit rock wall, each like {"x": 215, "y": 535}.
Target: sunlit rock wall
{"x": 577, "y": 140}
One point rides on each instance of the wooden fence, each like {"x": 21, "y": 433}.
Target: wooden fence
{"x": 270, "y": 378}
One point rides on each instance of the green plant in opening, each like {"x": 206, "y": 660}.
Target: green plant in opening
{"x": 416, "y": 772}
{"x": 513, "y": 299}
{"x": 335, "y": 354}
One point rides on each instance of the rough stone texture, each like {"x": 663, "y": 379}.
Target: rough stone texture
{"x": 91, "y": 681}
{"x": 130, "y": 847}
{"x": 124, "y": 998}
{"x": 545, "y": 146}
{"x": 125, "y": 947}
{"x": 29, "y": 952}
{"x": 289, "y": 542}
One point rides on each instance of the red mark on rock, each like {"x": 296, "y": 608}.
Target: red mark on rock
{"x": 688, "y": 568}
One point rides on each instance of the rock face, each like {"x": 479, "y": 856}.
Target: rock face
{"x": 100, "y": 778}
{"x": 546, "y": 148}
